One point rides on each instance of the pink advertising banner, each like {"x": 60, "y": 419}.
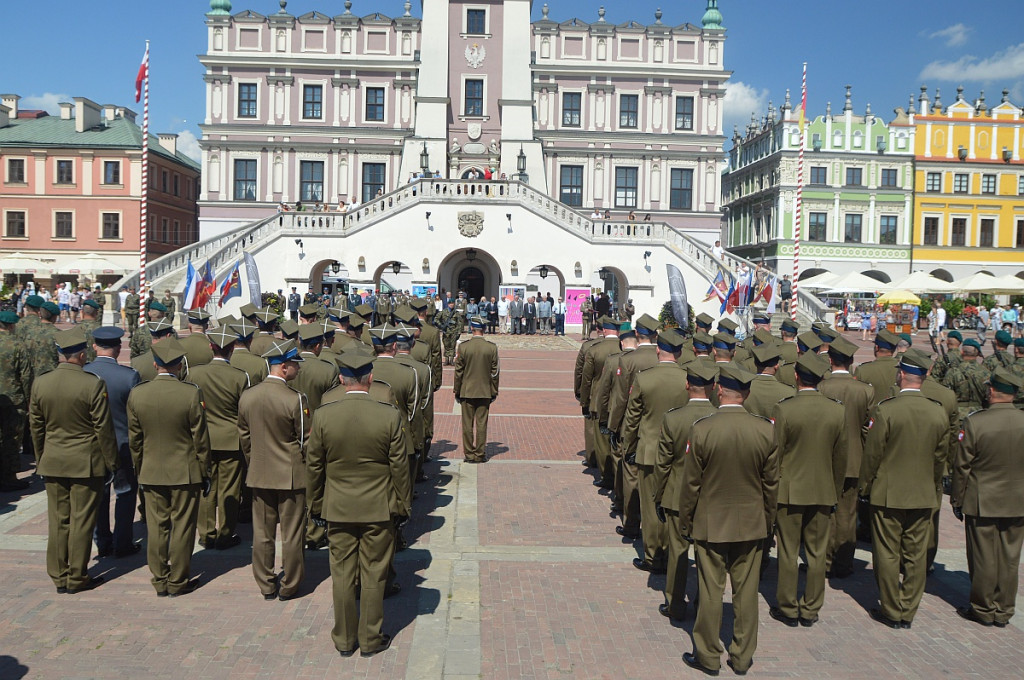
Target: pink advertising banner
{"x": 573, "y": 299}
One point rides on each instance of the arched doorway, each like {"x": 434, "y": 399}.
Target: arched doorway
{"x": 474, "y": 271}
{"x": 544, "y": 279}
{"x": 330, "y": 277}
{"x": 393, "y": 276}
{"x": 942, "y": 274}
{"x": 471, "y": 281}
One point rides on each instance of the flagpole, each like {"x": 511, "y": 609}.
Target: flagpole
{"x": 145, "y": 189}
{"x": 799, "y": 198}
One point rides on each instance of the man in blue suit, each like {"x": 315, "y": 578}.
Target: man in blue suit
{"x": 119, "y": 381}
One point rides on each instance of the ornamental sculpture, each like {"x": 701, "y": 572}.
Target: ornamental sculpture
{"x": 471, "y": 223}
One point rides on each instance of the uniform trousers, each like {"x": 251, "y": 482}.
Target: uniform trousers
{"x": 678, "y": 565}
{"x": 359, "y": 552}
{"x": 271, "y": 507}
{"x": 741, "y": 561}
{"x": 806, "y": 525}
{"x": 933, "y": 537}
{"x": 171, "y": 513}
{"x": 602, "y": 449}
{"x": 474, "y": 427}
{"x": 842, "y": 542}
{"x": 630, "y": 497}
{"x": 899, "y": 540}
{"x": 651, "y": 528}
{"x": 222, "y": 502}
{"x": 993, "y": 558}
{"x": 72, "y": 507}
{"x": 590, "y": 434}
{"x": 121, "y": 539}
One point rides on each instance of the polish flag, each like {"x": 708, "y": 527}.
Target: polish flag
{"x": 142, "y": 75}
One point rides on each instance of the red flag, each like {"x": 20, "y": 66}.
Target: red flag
{"x": 142, "y": 75}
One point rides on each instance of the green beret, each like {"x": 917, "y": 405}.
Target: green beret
{"x": 158, "y": 306}
{"x": 1004, "y": 338}
{"x": 955, "y": 335}
{"x": 971, "y": 342}
{"x": 93, "y": 304}
{"x": 34, "y": 301}
{"x": 905, "y": 337}
{"x": 52, "y": 308}
{"x": 1002, "y": 380}
{"x": 1018, "y": 342}
{"x": 8, "y": 317}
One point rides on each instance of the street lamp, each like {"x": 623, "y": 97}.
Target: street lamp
{"x": 470, "y": 254}
{"x": 396, "y": 267}
{"x": 335, "y": 266}
{"x": 425, "y": 160}
{"x": 521, "y": 165}
{"x": 543, "y": 271}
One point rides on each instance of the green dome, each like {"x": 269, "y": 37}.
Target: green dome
{"x": 220, "y": 7}
{"x": 712, "y": 17}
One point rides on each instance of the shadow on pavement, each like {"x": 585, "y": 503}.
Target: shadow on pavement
{"x": 11, "y": 668}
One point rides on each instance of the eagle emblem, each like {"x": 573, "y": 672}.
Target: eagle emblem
{"x": 475, "y": 55}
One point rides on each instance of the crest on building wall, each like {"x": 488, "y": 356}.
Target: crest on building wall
{"x": 471, "y": 223}
{"x": 475, "y": 55}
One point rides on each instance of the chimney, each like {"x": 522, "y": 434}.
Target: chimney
{"x": 87, "y": 114}
{"x": 169, "y": 141}
{"x": 126, "y": 113}
{"x": 11, "y": 102}
{"x": 109, "y": 112}
{"x": 65, "y": 110}
{"x": 5, "y": 116}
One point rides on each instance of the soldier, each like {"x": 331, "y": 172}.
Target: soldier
{"x": 449, "y": 323}
{"x": 401, "y": 378}
{"x": 1018, "y": 369}
{"x": 810, "y": 432}
{"x": 429, "y": 335}
{"x": 266, "y": 319}
{"x": 242, "y": 357}
{"x": 968, "y": 378}
{"x": 589, "y": 450}
{"x": 170, "y": 305}
{"x": 273, "y": 424}
{"x": 602, "y": 393}
{"x": 880, "y": 373}
{"x": 91, "y": 311}
{"x": 288, "y": 330}
{"x": 361, "y": 490}
{"x": 593, "y": 364}
{"x": 788, "y": 352}
{"x": 826, "y": 334}
{"x": 76, "y": 451}
{"x": 587, "y": 314}
{"x": 170, "y": 447}
{"x": 855, "y": 397}
{"x": 1001, "y": 357}
{"x": 668, "y": 491}
{"x": 140, "y": 342}
{"x": 703, "y": 322}
{"x": 654, "y": 391}
{"x": 949, "y": 360}
{"x": 118, "y": 381}
{"x": 222, "y": 385}
{"x": 476, "y": 388}
{"x": 131, "y": 311}
{"x": 904, "y": 457}
{"x": 197, "y": 345}
{"x": 987, "y": 479}
{"x": 729, "y": 490}
{"x": 765, "y": 390}
{"x": 729, "y": 327}
{"x": 382, "y": 312}
{"x": 404, "y": 342}
{"x": 628, "y": 310}
{"x": 366, "y": 312}
{"x": 42, "y": 350}
{"x": 15, "y": 388}
{"x": 702, "y": 346}
{"x": 160, "y": 331}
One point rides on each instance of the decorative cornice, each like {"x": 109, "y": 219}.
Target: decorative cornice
{"x": 599, "y": 87}
{"x": 216, "y": 78}
{"x": 433, "y": 100}
{"x": 515, "y": 102}
{"x": 283, "y": 80}
{"x": 550, "y": 87}
{"x": 351, "y": 82}
{"x": 657, "y": 89}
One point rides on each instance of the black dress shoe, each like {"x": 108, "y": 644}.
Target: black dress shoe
{"x": 625, "y": 534}
{"x": 691, "y": 661}
{"x": 730, "y": 664}
{"x": 1000, "y": 624}
{"x": 807, "y": 623}
{"x": 970, "y": 614}
{"x": 346, "y": 652}
{"x": 228, "y": 542}
{"x": 62, "y": 590}
{"x": 285, "y": 598}
{"x": 877, "y": 615}
{"x": 134, "y": 550}
{"x": 664, "y": 611}
{"x": 383, "y": 645}
{"x": 602, "y": 484}
{"x": 161, "y": 593}
{"x": 189, "y": 587}
{"x": 642, "y": 565}
{"x": 905, "y": 625}
{"x": 777, "y": 614}
{"x": 270, "y": 596}
{"x": 88, "y": 585}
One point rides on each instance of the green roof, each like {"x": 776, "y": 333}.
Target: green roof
{"x": 55, "y": 132}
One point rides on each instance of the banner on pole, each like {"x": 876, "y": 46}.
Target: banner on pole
{"x": 252, "y": 277}
{"x": 677, "y": 294}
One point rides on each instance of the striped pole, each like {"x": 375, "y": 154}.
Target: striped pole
{"x": 799, "y": 199}
{"x": 145, "y": 192}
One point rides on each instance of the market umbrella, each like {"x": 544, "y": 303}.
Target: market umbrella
{"x": 899, "y": 297}
{"x": 856, "y": 283}
{"x": 823, "y": 280}
{"x": 986, "y": 283}
{"x": 92, "y": 264}
{"x": 923, "y": 282}
{"x": 1014, "y": 284}
{"x": 19, "y": 263}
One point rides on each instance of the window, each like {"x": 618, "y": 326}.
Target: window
{"x": 63, "y": 225}
{"x": 571, "y": 103}
{"x": 854, "y": 177}
{"x": 933, "y": 181}
{"x": 311, "y": 181}
{"x": 988, "y": 184}
{"x": 247, "y": 100}
{"x": 1019, "y": 243}
{"x": 165, "y": 230}
{"x": 373, "y": 180}
{"x": 987, "y": 236}
{"x": 111, "y": 226}
{"x": 960, "y": 183}
{"x": 571, "y": 185}
{"x": 111, "y": 172}
{"x": 245, "y": 179}
{"x": 931, "y": 231}
{"x": 684, "y": 113}
{"x": 887, "y": 230}
{"x": 1020, "y": 185}
{"x": 312, "y": 101}
{"x": 628, "y": 107}
{"x": 959, "y": 236}
{"x": 163, "y": 181}
{"x": 853, "y": 225}
{"x": 177, "y": 232}
{"x": 476, "y": 21}
{"x": 15, "y": 227}
{"x": 177, "y": 185}
{"x": 819, "y": 175}
{"x": 817, "y": 226}
{"x": 375, "y": 103}
{"x": 474, "y": 99}
{"x": 889, "y": 177}
{"x": 65, "y": 172}
{"x": 680, "y": 192}
{"x": 625, "y": 187}
{"x": 15, "y": 170}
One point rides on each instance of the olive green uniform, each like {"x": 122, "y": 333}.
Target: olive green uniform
{"x": 15, "y": 387}
{"x": 197, "y": 349}
{"x": 944, "y": 364}
{"x": 787, "y": 359}
{"x": 593, "y": 365}
{"x": 589, "y": 444}
{"x": 765, "y": 393}
{"x": 89, "y": 326}
{"x": 627, "y": 487}
{"x": 131, "y": 313}
{"x": 1001, "y": 358}
{"x": 477, "y": 376}
{"x": 254, "y": 365}
{"x": 880, "y": 374}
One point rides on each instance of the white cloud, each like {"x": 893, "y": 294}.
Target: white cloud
{"x": 1005, "y": 65}
{"x": 954, "y": 35}
{"x": 189, "y": 145}
{"x": 48, "y": 101}
{"x": 740, "y": 101}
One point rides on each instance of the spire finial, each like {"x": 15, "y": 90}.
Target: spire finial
{"x": 959, "y": 92}
{"x": 408, "y": 8}
{"x": 220, "y": 7}
{"x": 910, "y": 106}
{"x": 938, "y": 99}
{"x": 283, "y": 3}
{"x": 600, "y": 13}
{"x": 657, "y": 16}
{"x": 848, "y": 106}
{"x": 712, "y": 17}
{"x": 786, "y": 106}
{"x": 348, "y": 6}
{"x": 828, "y": 109}
{"x": 867, "y": 111}
{"x": 1006, "y": 96}
{"x": 544, "y": 11}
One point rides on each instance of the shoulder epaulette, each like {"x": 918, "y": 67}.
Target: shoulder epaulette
{"x": 885, "y": 400}
{"x": 792, "y": 396}
{"x": 838, "y": 401}
{"x": 705, "y": 417}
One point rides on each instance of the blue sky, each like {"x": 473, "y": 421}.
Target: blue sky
{"x": 93, "y": 49}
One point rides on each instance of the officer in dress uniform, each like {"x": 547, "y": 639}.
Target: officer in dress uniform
{"x": 729, "y": 490}
{"x": 593, "y": 364}
{"x": 159, "y": 331}
{"x": 880, "y": 373}
{"x": 432, "y": 337}
{"x": 242, "y": 355}
{"x": 76, "y": 451}
{"x": 589, "y": 445}
{"x": 273, "y": 424}
{"x": 404, "y": 341}
{"x": 476, "y": 387}
{"x": 788, "y": 351}
{"x": 222, "y": 385}
{"x": 359, "y": 475}
{"x": 765, "y": 390}
{"x": 602, "y": 394}
{"x": 170, "y": 446}
{"x": 987, "y": 479}
{"x": 196, "y": 344}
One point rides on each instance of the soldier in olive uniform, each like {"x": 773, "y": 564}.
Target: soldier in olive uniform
{"x": 404, "y": 342}
{"x": 987, "y": 479}
{"x": 1018, "y": 370}
{"x": 603, "y": 394}
{"x": 788, "y": 352}
{"x": 729, "y": 490}
{"x": 589, "y": 445}
{"x": 359, "y": 475}
{"x": 811, "y": 434}
{"x": 765, "y": 390}
{"x": 266, "y": 319}
{"x": 654, "y": 391}
{"x": 273, "y": 424}
{"x": 131, "y": 311}
{"x": 968, "y": 379}
{"x": 242, "y": 357}
{"x": 593, "y": 364}
{"x": 169, "y": 304}
{"x": 449, "y": 323}
{"x": 76, "y": 451}
{"x": 904, "y": 458}
{"x": 668, "y": 490}
{"x": 587, "y": 314}
{"x": 476, "y": 388}
{"x": 160, "y": 331}
{"x": 197, "y": 346}
{"x": 91, "y": 312}
{"x": 400, "y": 377}
{"x": 170, "y": 446}
{"x": 42, "y": 350}
{"x": 430, "y": 335}
{"x": 140, "y": 342}
{"x": 880, "y": 373}
{"x": 222, "y": 385}
{"x": 15, "y": 387}
{"x": 1001, "y": 357}
{"x": 740, "y": 353}
{"x": 951, "y": 359}
{"x": 382, "y": 312}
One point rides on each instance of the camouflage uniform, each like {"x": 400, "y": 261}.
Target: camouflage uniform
{"x": 15, "y": 384}
{"x": 171, "y": 305}
{"x": 945, "y": 364}
{"x": 143, "y": 342}
{"x": 1002, "y": 358}
{"x": 89, "y": 326}
{"x": 1018, "y": 370}
{"x": 131, "y": 313}
{"x": 450, "y": 325}
{"x": 968, "y": 383}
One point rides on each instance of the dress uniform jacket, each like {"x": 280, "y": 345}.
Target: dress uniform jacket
{"x": 675, "y": 434}
{"x": 197, "y": 349}
{"x": 424, "y": 393}
{"x": 988, "y": 474}
{"x": 477, "y": 371}
{"x": 788, "y": 357}
{"x": 404, "y": 386}
{"x": 654, "y": 391}
{"x": 765, "y": 393}
{"x": 315, "y": 378}
{"x": 167, "y": 432}
{"x": 275, "y": 416}
{"x": 143, "y": 365}
{"x": 811, "y": 435}
{"x": 254, "y": 365}
{"x": 855, "y": 396}
{"x": 603, "y": 387}
{"x": 581, "y": 356}
{"x": 880, "y": 374}
{"x": 222, "y": 386}
{"x": 593, "y": 363}
{"x": 643, "y": 357}
{"x": 432, "y": 337}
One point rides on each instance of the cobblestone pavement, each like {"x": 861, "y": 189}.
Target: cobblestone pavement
{"x": 514, "y": 571}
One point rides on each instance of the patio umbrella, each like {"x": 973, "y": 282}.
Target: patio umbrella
{"x": 819, "y": 281}
{"x": 986, "y": 283}
{"x": 923, "y": 282}
{"x": 1014, "y": 284}
{"x": 18, "y": 263}
{"x": 856, "y": 283}
{"x": 899, "y": 297}
{"x": 92, "y": 264}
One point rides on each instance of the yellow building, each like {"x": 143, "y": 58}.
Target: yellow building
{"x": 968, "y": 187}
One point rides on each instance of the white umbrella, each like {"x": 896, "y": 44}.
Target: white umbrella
{"x": 818, "y": 281}
{"x": 856, "y": 283}
{"x": 1014, "y": 284}
{"x": 986, "y": 283}
{"x": 93, "y": 265}
{"x": 923, "y": 282}
{"x": 18, "y": 263}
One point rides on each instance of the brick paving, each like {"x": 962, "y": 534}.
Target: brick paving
{"x": 513, "y": 571}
